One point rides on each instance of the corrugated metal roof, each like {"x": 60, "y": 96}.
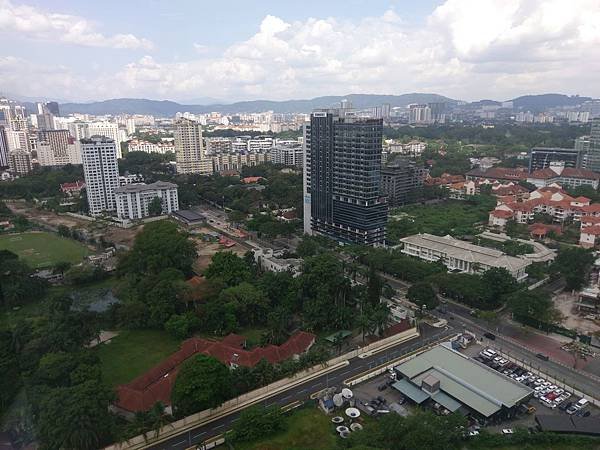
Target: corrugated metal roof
{"x": 446, "y": 401}
{"x": 465, "y": 379}
{"x": 411, "y": 391}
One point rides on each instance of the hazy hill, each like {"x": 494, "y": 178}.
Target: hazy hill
{"x": 545, "y": 101}
{"x": 168, "y": 108}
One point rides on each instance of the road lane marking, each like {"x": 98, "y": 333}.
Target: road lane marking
{"x": 179, "y": 443}
{"x": 199, "y": 434}
{"x": 219, "y": 426}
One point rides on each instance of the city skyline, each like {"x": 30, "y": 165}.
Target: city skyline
{"x": 461, "y": 49}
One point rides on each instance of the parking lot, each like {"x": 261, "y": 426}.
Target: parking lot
{"x": 379, "y": 395}
{"x": 548, "y": 398}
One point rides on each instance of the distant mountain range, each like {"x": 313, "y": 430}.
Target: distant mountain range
{"x": 169, "y": 108}
{"x": 166, "y": 108}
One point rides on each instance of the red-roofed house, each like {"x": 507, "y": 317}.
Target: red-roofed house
{"x": 251, "y": 180}
{"x": 588, "y": 236}
{"x": 499, "y": 218}
{"x": 497, "y": 174}
{"x": 565, "y": 176}
{"x": 72, "y": 188}
{"x": 541, "y": 230}
{"x": 156, "y": 384}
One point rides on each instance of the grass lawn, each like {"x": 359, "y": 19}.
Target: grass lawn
{"x": 307, "y": 428}
{"x": 133, "y": 352}
{"x": 41, "y": 249}
{"x": 452, "y": 217}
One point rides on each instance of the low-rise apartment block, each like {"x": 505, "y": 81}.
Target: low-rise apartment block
{"x": 133, "y": 200}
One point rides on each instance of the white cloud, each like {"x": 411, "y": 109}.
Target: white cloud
{"x": 35, "y": 23}
{"x": 467, "y": 49}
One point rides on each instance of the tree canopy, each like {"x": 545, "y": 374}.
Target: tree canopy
{"x": 202, "y": 382}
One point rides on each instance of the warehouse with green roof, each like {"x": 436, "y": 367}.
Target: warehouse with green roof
{"x": 446, "y": 378}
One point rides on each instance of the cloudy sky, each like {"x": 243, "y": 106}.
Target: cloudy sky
{"x": 188, "y": 50}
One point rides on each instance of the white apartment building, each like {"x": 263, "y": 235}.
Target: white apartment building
{"x": 19, "y": 162}
{"x": 107, "y": 129}
{"x": 190, "y": 154}
{"x": 17, "y": 140}
{"x": 218, "y": 145}
{"x": 47, "y": 156}
{"x": 101, "y": 173}
{"x": 288, "y": 153}
{"x": 462, "y": 256}
{"x": 235, "y": 161}
{"x": 150, "y": 147}
{"x": 133, "y": 199}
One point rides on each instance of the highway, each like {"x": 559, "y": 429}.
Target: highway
{"x": 302, "y": 392}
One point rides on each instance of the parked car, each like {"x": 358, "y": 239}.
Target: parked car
{"x": 542, "y": 356}
{"x": 563, "y": 406}
{"x": 508, "y": 431}
{"x": 490, "y": 336}
{"x": 382, "y": 387}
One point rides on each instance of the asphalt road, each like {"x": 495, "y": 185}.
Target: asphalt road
{"x": 302, "y": 392}
{"x": 461, "y": 319}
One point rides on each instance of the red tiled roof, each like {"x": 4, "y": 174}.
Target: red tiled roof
{"x": 591, "y": 209}
{"x": 590, "y": 219}
{"x": 156, "y": 384}
{"x": 499, "y": 173}
{"x": 249, "y": 180}
{"x": 541, "y": 229}
{"x": 581, "y": 199}
{"x": 77, "y": 186}
{"x": 567, "y": 172}
{"x": 594, "y": 230}
{"x": 501, "y": 214}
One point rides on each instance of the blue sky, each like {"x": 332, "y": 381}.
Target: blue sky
{"x": 239, "y": 50}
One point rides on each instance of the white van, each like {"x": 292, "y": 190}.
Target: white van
{"x": 582, "y": 403}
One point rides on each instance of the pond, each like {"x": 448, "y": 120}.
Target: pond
{"x": 98, "y": 299}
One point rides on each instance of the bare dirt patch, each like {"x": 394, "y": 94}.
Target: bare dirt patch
{"x": 566, "y": 304}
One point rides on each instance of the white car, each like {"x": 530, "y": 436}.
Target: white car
{"x": 473, "y": 433}
{"x": 508, "y": 431}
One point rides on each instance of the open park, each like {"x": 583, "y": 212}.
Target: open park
{"x": 42, "y": 249}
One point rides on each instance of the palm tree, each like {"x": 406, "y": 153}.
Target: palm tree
{"x": 158, "y": 418}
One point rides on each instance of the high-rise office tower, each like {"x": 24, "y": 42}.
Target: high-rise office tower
{"x": 101, "y": 173}
{"x": 342, "y": 177}
{"x": 592, "y": 160}
{"x": 190, "y": 154}
{"x": 3, "y": 148}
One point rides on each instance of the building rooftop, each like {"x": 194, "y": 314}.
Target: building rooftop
{"x": 466, "y": 251}
{"x": 141, "y": 187}
{"x": 466, "y": 380}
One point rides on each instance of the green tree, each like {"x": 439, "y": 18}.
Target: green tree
{"x": 159, "y": 246}
{"x": 155, "y": 207}
{"x": 228, "y": 268}
{"x": 75, "y": 418}
{"x": 181, "y": 326}
{"x": 534, "y": 305}
{"x": 203, "y": 382}
{"x": 10, "y": 381}
{"x": 421, "y": 430}
{"x": 499, "y": 283}
{"x": 573, "y": 263}
{"x": 257, "y": 422}
{"x": 248, "y": 302}
{"x": 422, "y": 294}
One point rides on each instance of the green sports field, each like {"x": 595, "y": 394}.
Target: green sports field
{"x": 40, "y": 249}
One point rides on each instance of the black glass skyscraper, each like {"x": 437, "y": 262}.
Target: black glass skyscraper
{"x": 342, "y": 179}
